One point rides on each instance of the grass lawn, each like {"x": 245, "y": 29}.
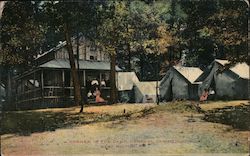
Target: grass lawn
{"x": 170, "y": 128}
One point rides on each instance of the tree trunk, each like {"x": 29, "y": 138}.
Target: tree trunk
{"x": 142, "y": 65}
{"x": 113, "y": 90}
{"x": 74, "y": 74}
{"x": 8, "y": 88}
{"x": 129, "y": 51}
{"x": 1, "y": 8}
{"x": 129, "y": 57}
{"x": 157, "y": 79}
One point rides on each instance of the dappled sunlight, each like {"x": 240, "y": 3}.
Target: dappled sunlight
{"x": 123, "y": 128}
{"x": 27, "y": 122}
{"x": 210, "y": 105}
{"x": 236, "y": 116}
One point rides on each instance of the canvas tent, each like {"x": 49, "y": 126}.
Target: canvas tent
{"x": 180, "y": 83}
{"x": 125, "y": 82}
{"x": 145, "y": 92}
{"x": 229, "y": 83}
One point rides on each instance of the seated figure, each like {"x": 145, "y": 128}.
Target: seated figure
{"x": 98, "y": 97}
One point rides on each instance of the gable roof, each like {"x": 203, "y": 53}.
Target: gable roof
{"x": 126, "y": 80}
{"x": 64, "y": 64}
{"x": 190, "y": 73}
{"x": 241, "y": 69}
{"x": 222, "y": 62}
{"x": 60, "y": 45}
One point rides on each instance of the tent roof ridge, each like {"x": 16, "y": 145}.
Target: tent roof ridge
{"x": 189, "y": 73}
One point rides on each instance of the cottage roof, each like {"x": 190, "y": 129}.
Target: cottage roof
{"x": 147, "y": 87}
{"x": 126, "y": 80}
{"x": 64, "y": 64}
{"x": 190, "y": 73}
{"x": 241, "y": 69}
{"x": 60, "y": 45}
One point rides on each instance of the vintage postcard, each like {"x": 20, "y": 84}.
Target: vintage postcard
{"x": 132, "y": 77}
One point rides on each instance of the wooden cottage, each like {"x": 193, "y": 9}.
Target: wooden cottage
{"x": 50, "y": 84}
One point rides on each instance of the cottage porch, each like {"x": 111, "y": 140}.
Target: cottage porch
{"x": 51, "y": 85}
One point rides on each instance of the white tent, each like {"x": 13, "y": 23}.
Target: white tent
{"x": 180, "y": 83}
{"x": 145, "y": 92}
{"x": 229, "y": 83}
{"x": 125, "y": 82}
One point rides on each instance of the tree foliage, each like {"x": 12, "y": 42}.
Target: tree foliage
{"x": 69, "y": 19}
{"x": 22, "y": 33}
{"x": 215, "y": 29}
{"x": 194, "y": 31}
{"x": 228, "y": 27}
{"x": 112, "y": 31}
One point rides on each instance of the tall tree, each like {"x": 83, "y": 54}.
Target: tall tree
{"x": 1, "y": 8}
{"x": 228, "y": 26}
{"x": 216, "y": 29}
{"x": 69, "y": 19}
{"x": 153, "y": 33}
{"x": 22, "y": 35}
{"x": 110, "y": 36}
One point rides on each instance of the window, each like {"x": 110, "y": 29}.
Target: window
{"x": 75, "y": 56}
{"x": 91, "y": 57}
{"x": 93, "y": 48}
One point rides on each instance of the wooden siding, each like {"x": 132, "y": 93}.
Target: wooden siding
{"x": 86, "y": 51}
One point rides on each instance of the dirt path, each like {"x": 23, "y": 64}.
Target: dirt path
{"x": 160, "y": 132}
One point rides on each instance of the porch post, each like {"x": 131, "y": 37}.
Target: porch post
{"x": 63, "y": 83}
{"x": 34, "y": 87}
{"x": 63, "y": 78}
{"x": 9, "y": 87}
{"x": 22, "y": 85}
{"x": 100, "y": 77}
{"x": 84, "y": 78}
{"x": 42, "y": 86}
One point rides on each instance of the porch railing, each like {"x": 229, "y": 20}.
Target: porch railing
{"x": 54, "y": 92}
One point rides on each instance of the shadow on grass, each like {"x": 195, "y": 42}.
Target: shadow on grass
{"x": 28, "y": 122}
{"x": 180, "y": 107}
{"x": 235, "y": 116}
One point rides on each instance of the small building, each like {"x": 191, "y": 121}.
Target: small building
{"x": 49, "y": 83}
{"x": 145, "y": 91}
{"x": 179, "y": 83}
{"x": 227, "y": 83}
{"x": 125, "y": 83}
